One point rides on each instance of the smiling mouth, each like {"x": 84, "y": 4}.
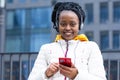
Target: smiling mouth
{"x": 68, "y": 34}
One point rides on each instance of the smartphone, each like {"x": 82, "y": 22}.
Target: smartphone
{"x": 65, "y": 61}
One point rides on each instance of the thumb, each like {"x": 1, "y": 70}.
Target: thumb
{"x": 73, "y": 66}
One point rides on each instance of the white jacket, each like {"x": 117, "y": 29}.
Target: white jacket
{"x": 86, "y": 57}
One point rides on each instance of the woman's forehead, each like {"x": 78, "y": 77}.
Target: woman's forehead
{"x": 68, "y": 13}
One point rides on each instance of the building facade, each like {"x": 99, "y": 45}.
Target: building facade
{"x": 26, "y": 25}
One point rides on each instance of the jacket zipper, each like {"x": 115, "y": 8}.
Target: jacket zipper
{"x": 66, "y": 53}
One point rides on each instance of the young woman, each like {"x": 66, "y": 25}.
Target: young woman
{"x": 86, "y": 59}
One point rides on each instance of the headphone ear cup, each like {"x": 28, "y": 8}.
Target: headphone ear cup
{"x": 56, "y": 24}
{"x": 57, "y": 29}
{"x": 82, "y": 25}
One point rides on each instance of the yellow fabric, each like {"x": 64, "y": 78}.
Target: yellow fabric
{"x": 81, "y": 37}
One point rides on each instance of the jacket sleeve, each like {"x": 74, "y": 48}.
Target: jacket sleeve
{"x": 95, "y": 65}
{"x": 40, "y": 65}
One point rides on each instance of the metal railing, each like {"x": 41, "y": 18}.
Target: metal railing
{"x": 17, "y": 66}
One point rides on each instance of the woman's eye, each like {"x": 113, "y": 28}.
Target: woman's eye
{"x": 72, "y": 24}
{"x": 63, "y": 24}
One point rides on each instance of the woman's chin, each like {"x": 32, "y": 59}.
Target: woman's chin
{"x": 68, "y": 38}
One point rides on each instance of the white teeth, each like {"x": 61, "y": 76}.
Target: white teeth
{"x": 67, "y": 33}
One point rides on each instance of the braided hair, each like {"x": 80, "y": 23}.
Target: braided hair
{"x": 60, "y": 6}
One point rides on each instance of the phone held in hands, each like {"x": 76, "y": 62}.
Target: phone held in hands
{"x": 65, "y": 61}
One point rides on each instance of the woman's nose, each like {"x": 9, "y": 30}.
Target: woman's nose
{"x": 67, "y": 27}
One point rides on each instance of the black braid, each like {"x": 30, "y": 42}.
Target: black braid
{"x": 60, "y": 6}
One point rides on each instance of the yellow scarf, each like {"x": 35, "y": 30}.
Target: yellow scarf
{"x": 81, "y": 37}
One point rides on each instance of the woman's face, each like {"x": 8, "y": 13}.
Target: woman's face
{"x": 68, "y": 25}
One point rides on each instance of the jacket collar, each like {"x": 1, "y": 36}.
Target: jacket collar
{"x": 81, "y": 37}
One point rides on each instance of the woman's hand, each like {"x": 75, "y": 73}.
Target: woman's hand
{"x": 70, "y": 72}
{"x": 52, "y": 69}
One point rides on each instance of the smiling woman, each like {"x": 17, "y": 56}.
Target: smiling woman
{"x": 71, "y": 56}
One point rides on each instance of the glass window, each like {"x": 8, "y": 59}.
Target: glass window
{"x": 16, "y": 19}
{"x": 15, "y": 72}
{"x": 1, "y": 18}
{"x": 1, "y": 12}
{"x": 106, "y": 66}
{"x": 104, "y": 40}
{"x": 89, "y": 13}
{"x": 32, "y": 64}
{"x": 13, "y": 44}
{"x": 15, "y": 68}
{"x": 14, "y": 32}
{"x": 17, "y": 40}
{"x": 6, "y": 70}
{"x": 103, "y": 12}
{"x": 41, "y": 17}
{"x": 39, "y": 39}
{"x": 116, "y": 39}
{"x": 89, "y": 35}
{"x": 0, "y": 38}
{"x": 9, "y": 1}
{"x": 19, "y": 18}
{"x": 116, "y": 11}
{"x": 10, "y": 19}
{"x": 113, "y": 69}
{"x": 119, "y": 69}
{"x": 34, "y": 0}
{"x": 1, "y": 63}
{"x": 25, "y": 67}
{"x": 20, "y": 36}
{"x": 22, "y": 1}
